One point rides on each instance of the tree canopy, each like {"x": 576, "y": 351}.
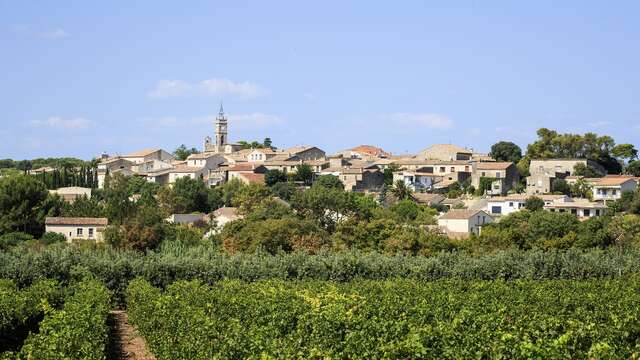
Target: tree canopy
{"x": 506, "y": 151}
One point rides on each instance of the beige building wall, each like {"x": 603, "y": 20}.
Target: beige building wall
{"x": 86, "y": 232}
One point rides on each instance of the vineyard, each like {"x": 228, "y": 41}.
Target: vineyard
{"x": 47, "y": 321}
{"x": 389, "y": 319}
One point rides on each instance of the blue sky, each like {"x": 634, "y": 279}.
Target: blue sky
{"x": 79, "y": 77}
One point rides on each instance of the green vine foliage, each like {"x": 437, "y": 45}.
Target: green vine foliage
{"x": 78, "y": 330}
{"x": 398, "y": 319}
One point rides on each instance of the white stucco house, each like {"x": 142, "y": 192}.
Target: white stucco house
{"x": 461, "y": 223}
{"x": 612, "y": 187}
{"x": 77, "y": 228}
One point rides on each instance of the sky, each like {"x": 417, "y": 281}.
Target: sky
{"x": 79, "y": 78}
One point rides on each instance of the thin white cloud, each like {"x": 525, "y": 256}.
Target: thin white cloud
{"x": 207, "y": 88}
{"x": 599, "y": 124}
{"x": 432, "y": 121}
{"x": 57, "y": 33}
{"x": 56, "y": 122}
{"x": 169, "y": 88}
{"x": 309, "y": 96}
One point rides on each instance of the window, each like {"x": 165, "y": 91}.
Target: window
{"x": 496, "y": 210}
{"x": 90, "y": 233}
{"x": 483, "y": 174}
{"x": 443, "y": 169}
{"x": 510, "y": 204}
{"x": 597, "y": 212}
{"x": 453, "y": 169}
{"x": 466, "y": 168}
{"x": 574, "y": 211}
{"x": 586, "y": 212}
{"x": 79, "y": 232}
{"x": 614, "y": 192}
{"x": 498, "y": 174}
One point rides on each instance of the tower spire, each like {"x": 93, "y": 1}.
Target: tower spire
{"x": 221, "y": 113}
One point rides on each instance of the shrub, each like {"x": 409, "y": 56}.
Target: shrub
{"x": 78, "y": 331}
{"x": 49, "y": 238}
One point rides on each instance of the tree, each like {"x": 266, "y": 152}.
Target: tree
{"x": 274, "y": 176}
{"x": 388, "y": 173}
{"x": 624, "y": 152}
{"x": 401, "y": 191}
{"x": 267, "y": 143}
{"x": 329, "y": 181}
{"x": 327, "y": 206}
{"x": 145, "y": 230}
{"x": 117, "y": 203}
{"x": 633, "y": 168}
{"x": 284, "y": 190}
{"x": 534, "y": 203}
{"x": 484, "y": 185}
{"x": 586, "y": 171}
{"x": 551, "y": 144}
{"x": 581, "y": 189}
{"x": 84, "y": 207}
{"x": 191, "y": 195}
{"x": 23, "y": 205}
{"x": 506, "y": 151}
{"x": 305, "y": 174}
{"x": 182, "y": 153}
{"x": 560, "y": 186}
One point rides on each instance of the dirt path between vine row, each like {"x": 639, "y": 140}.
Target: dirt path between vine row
{"x": 125, "y": 342}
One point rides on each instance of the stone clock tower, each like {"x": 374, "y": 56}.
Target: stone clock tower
{"x": 221, "y": 134}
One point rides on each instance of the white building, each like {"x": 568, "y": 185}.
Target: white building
{"x": 77, "y": 228}
{"x": 505, "y": 205}
{"x": 70, "y": 194}
{"x": 460, "y": 223}
{"x": 582, "y": 208}
{"x": 612, "y": 187}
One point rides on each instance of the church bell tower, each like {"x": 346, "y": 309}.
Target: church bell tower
{"x": 220, "y": 125}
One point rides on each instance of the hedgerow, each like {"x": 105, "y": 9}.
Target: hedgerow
{"x": 77, "y": 331}
{"x": 116, "y": 268}
{"x": 446, "y": 319}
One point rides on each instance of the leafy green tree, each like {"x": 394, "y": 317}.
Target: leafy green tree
{"x": 327, "y": 206}
{"x": 388, "y": 173}
{"x": 304, "y": 173}
{"x": 84, "y": 207}
{"x": 24, "y": 204}
{"x": 144, "y": 230}
{"x": 117, "y": 203}
{"x": 633, "y": 168}
{"x": 284, "y": 190}
{"x": 534, "y": 203}
{"x": 229, "y": 191}
{"x": 251, "y": 196}
{"x": 581, "y": 189}
{"x": 624, "y": 152}
{"x": 586, "y": 171}
{"x": 329, "y": 181}
{"x": 12, "y": 239}
{"x": 506, "y": 151}
{"x": 405, "y": 210}
{"x": 274, "y": 176}
{"x": 182, "y": 152}
{"x": 560, "y": 186}
{"x": 191, "y": 195}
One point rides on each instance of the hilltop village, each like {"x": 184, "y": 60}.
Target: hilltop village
{"x": 469, "y": 188}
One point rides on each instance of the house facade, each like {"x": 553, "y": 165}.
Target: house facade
{"x": 77, "y": 228}
{"x": 612, "y": 187}
{"x": 504, "y": 175}
{"x": 461, "y": 223}
{"x": 445, "y": 152}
